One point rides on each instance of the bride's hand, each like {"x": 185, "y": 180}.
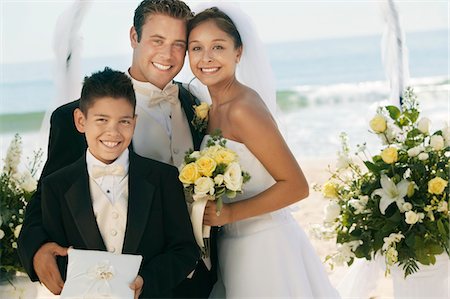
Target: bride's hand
{"x": 210, "y": 216}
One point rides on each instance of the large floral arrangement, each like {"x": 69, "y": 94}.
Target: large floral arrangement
{"x": 396, "y": 202}
{"x": 208, "y": 175}
{"x": 16, "y": 190}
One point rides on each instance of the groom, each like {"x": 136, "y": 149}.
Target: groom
{"x": 163, "y": 132}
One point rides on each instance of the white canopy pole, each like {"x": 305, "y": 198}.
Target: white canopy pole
{"x": 394, "y": 53}
{"x": 67, "y": 44}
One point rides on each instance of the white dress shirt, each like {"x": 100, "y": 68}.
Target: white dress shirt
{"x": 111, "y": 185}
{"x": 109, "y": 196}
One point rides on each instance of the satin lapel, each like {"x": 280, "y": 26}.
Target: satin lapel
{"x": 187, "y": 102}
{"x": 80, "y": 205}
{"x": 140, "y": 197}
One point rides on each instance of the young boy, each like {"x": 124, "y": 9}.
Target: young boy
{"x": 112, "y": 199}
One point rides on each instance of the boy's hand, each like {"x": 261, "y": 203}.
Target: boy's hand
{"x": 137, "y": 285}
{"x": 44, "y": 263}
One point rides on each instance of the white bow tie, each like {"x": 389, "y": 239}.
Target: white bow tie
{"x": 169, "y": 94}
{"x": 99, "y": 171}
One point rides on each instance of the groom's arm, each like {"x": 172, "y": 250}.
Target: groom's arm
{"x": 181, "y": 253}
{"x": 65, "y": 146}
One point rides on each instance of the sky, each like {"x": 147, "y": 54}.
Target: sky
{"x": 27, "y": 27}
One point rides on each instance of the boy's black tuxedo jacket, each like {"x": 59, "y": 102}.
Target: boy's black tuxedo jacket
{"x": 158, "y": 225}
{"x": 66, "y": 145}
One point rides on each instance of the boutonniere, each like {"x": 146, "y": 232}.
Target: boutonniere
{"x": 200, "y": 120}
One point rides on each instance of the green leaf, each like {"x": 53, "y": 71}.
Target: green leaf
{"x": 410, "y": 241}
{"x": 394, "y": 112}
{"x": 372, "y": 167}
{"x": 441, "y": 227}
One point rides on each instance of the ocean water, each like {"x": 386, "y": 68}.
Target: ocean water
{"x": 324, "y": 87}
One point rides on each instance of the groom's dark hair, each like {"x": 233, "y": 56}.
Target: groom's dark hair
{"x": 106, "y": 83}
{"x": 172, "y": 8}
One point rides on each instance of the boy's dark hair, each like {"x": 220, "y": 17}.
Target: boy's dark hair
{"x": 222, "y": 20}
{"x": 172, "y": 8}
{"x": 106, "y": 83}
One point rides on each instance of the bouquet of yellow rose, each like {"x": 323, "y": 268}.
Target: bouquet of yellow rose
{"x": 394, "y": 203}
{"x": 208, "y": 175}
{"x": 16, "y": 189}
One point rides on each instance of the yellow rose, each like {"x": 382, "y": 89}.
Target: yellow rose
{"x": 437, "y": 185}
{"x": 329, "y": 190}
{"x": 378, "y": 124}
{"x": 411, "y": 189}
{"x": 189, "y": 174}
{"x": 389, "y": 155}
{"x": 225, "y": 156}
{"x": 206, "y": 165}
{"x": 202, "y": 110}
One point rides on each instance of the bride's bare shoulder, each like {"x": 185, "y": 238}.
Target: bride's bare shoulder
{"x": 248, "y": 103}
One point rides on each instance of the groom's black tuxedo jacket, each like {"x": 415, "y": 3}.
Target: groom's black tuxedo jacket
{"x": 66, "y": 145}
{"x": 158, "y": 226}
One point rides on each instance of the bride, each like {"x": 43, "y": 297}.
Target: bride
{"x": 262, "y": 251}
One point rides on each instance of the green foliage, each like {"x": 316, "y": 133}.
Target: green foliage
{"x": 16, "y": 189}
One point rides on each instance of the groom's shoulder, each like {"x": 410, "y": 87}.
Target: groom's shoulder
{"x": 151, "y": 166}
{"x": 65, "y": 176}
{"x": 185, "y": 93}
{"x": 65, "y": 110}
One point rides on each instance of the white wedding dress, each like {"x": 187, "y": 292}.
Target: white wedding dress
{"x": 268, "y": 255}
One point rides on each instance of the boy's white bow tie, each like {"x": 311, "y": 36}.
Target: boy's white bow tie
{"x": 99, "y": 171}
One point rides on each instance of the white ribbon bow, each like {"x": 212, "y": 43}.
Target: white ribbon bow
{"x": 99, "y": 171}
{"x": 99, "y": 276}
{"x": 202, "y": 232}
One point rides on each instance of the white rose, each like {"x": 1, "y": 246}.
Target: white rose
{"x": 411, "y": 217}
{"x": 443, "y": 207}
{"x": 194, "y": 155}
{"x": 422, "y": 156}
{"x": 407, "y": 206}
{"x": 332, "y": 211}
{"x": 424, "y": 125}
{"x": 203, "y": 186}
{"x": 2, "y": 234}
{"x": 218, "y": 180}
{"x": 17, "y": 230}
{"x": 412, "y": 152}
{"x": 437, "y": 142}
{"x": 233, "y": 177}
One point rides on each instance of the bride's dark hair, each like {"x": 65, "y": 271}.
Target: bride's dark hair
{"x": 222, "y": 20}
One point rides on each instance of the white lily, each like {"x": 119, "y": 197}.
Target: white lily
{"x": 390, "y": 192}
